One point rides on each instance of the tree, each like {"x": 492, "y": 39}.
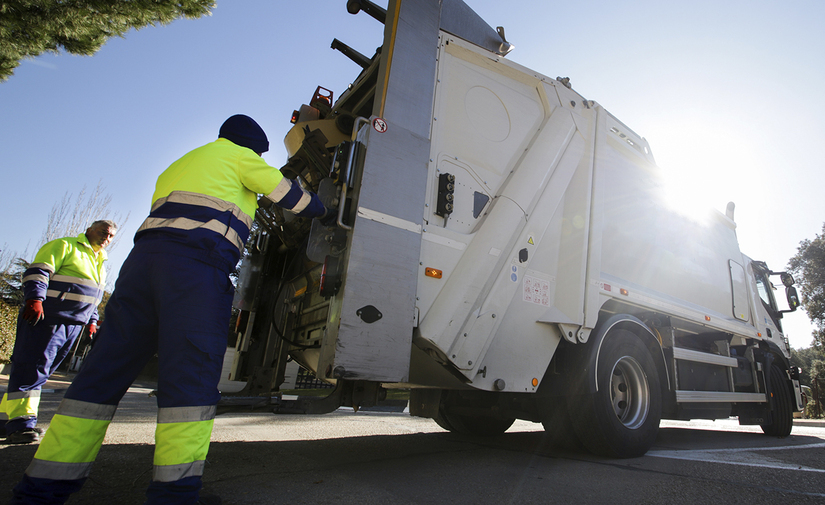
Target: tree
{"x": 30, "y": 27}
{"x": 817, "y": 383}
{"x": 69, "y": 220}
{"x": 808, "y": 268}
{"x": 11, "y": 282}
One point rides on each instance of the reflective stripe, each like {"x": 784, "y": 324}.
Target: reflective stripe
{"x": 202, "y": 200}
{"x": 42, "y": 266}
{"x": 186, "y": 414}
{"x": 21, "y": 405}
{"x": 280, "y": 190}
{"x": 3, "y": 415}
{"x": 171, "y": 473}
{"x": 178, "y": 443}
{"x": 305, "y": 200}
{"x": 183, "y": 223}
{"x": 58, "y": 471}
{"x": 72, "y": 439}
{"x": 37, "y": 278}
{"x": 76, "y": 280}
{"x": 16, "y": 395}
{"x": 86, "y": 410}
{"x": 74, "y": 297}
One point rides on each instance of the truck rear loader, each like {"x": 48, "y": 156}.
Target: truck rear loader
{"x": 504, "y": 249}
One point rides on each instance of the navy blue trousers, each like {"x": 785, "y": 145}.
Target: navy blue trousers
{"x": 172, "y": 305}
{"x": 38, "y": 351}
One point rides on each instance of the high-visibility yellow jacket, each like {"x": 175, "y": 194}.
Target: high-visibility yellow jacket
{"x": 68, "y": 275}
{"x": 207, "y": 199}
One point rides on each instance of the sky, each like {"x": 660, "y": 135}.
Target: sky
{"x": 727, "y": 92}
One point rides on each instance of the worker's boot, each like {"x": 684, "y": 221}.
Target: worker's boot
{"x": 24, "y": 436}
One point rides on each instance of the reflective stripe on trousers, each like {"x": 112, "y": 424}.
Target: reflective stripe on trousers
{"x": 182, "y": 441}
{"x": 72, "y": 441}
{"x": 19, "y": 404}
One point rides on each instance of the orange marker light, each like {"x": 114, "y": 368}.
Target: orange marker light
{"x": 707, "y": 318}
{"x": 623, "y": 291}
{"x": 433, "y": 272}
{"x": 535, "y": 382}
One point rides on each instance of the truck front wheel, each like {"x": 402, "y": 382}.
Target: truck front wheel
{"x": 621, "y": 420}
{"x": 782, "y": 413}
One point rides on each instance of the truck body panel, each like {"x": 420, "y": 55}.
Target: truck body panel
{"x": 500, "y": 240}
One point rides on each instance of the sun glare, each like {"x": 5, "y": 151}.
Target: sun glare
{"x": 683, "y": 194}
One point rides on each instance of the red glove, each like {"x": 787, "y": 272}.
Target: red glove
{"x": 33, "y": 313}
{"x": 92, "y": 329}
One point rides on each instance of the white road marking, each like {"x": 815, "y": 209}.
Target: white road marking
{"x": 741, "y": 457}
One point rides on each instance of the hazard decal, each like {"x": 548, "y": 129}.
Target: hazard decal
{"x": 536, "y": 291}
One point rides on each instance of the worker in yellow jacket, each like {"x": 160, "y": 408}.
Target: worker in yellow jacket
{"x": 173, "y": 297}
{"x": 62, "y": 289}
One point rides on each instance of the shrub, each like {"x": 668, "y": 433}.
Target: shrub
{"x": 8, "y": 330}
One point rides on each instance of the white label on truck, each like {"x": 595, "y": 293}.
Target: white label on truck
{"x": 536, "y": 291}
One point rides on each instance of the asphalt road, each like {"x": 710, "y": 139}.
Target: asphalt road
{"x": 392, "y": 458}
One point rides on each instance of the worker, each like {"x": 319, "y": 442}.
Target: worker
{"x": 173, "y": 297}
{"x": 62, "y": 289}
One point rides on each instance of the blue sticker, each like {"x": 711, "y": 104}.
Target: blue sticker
{"x": 514, "y": 277}
{"x": 515, "y": 268}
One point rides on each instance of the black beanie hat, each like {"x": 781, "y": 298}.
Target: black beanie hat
{"x": 244, "y": 131}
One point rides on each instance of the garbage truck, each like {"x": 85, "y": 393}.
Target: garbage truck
{"x": 503, "y": 249}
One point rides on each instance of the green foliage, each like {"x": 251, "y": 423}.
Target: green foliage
{"x": 816, "y": 404}
{"x": 808, "y": 267}
{"x": 31, "y": 27}
{"x": 8, "y": 330}
{"x": 804, "y": 358}
{"x": 11, "y": 282}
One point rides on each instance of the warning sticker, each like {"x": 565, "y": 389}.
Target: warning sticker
{"x": 536, "y": 291}
{"x": 379, "y": 124}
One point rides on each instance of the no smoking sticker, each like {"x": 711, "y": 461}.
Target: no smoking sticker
{"x": 379, "y": 124}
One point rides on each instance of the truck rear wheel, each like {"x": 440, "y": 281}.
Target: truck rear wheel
{"x": 782, "y": 413}
{"x": 479, "y": 426}
{"x": 621, "y": 420}
{"x": 558, "y": 428}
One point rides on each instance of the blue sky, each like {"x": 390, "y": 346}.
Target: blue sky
{"x": 728, "y": 93}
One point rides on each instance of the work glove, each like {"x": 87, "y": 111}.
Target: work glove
{"x": 33, "y": 313}
{"x": 330, "y": 217}
{"x": 92, "y": 329}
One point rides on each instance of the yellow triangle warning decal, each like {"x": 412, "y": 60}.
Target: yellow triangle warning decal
{"x": 530, "y": 241}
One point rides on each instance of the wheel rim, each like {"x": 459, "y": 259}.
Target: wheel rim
{"x": 629, "y": 392}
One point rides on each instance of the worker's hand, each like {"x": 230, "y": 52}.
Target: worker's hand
{"x": 92, "y": 329}
{"x": 330, "y": 217}
{"x": 33, "y": 313}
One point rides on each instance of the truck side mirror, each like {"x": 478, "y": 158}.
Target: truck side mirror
{"x": 787, "y": 279}
{"x": 793, "y": 299}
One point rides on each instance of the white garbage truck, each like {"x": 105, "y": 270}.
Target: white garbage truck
{"x": 504, "y": 249}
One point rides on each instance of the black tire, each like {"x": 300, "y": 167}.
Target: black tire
{"x": 558, "y": 427}
{"x": 621, "y": 420}
{"x": 782, "y": 413}
{"x": 477, "y": 426}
